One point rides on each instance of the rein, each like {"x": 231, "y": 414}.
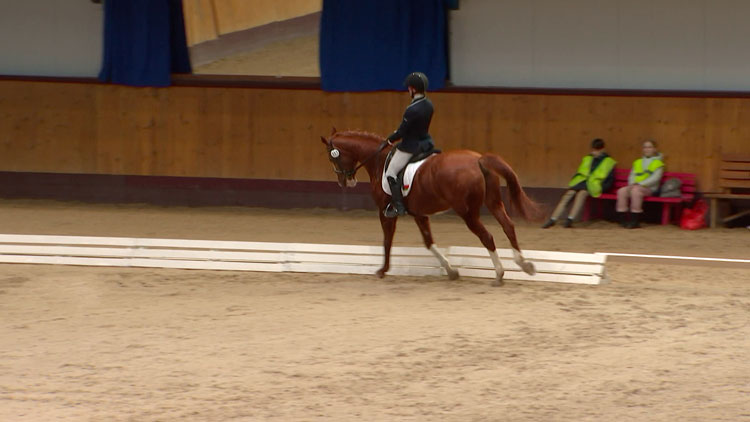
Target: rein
{"x": 349, "y": 174}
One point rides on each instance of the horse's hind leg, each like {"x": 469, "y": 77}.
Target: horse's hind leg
{"x": 423, "y": 222}
{"x": 476, "y": 226}
{"x": 497, "y": 208}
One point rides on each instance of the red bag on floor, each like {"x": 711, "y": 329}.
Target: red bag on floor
{"x": 694, "y": 218}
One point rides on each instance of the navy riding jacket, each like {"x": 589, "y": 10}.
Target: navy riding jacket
{"x": 415, "y": 126}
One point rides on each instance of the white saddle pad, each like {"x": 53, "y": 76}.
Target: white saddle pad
{"x": 411, "y": 170}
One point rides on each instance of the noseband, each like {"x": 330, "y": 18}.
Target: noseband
{"x": 335, "y": 157}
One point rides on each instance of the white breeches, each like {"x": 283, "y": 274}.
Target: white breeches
{"x": 399, "y": 160}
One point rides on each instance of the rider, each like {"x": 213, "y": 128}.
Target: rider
{"x": 414, "y": 131}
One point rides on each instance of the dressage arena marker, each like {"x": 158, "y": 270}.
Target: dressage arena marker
{"x": 562, "y": 267}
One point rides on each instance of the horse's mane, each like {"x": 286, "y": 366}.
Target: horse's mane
{"x": 359, "y": 134}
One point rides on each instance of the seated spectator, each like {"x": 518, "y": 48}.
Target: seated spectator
{"x": 643, "y": 181}
{"x": 595, "y": 175}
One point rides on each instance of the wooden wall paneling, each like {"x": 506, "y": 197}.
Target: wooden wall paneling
{"x": 681, "y": 129}
{"x": 727, "y": 132}
{"x": 200, "y": 152}
{"x": 137, "y": 110}
{"x": 131, "y": 130}
{"x": 48, "y": 127}
{"x": 311, "y": 161}
{"x": 74, "y": 116}
{"x": 235, "y": 126}
{"x": 379, "y": 113}
{"x": 110, "y": 128}
{"x": 740, "y": 143}
{"x": 288, "y": 146}
{"x": 270, "y": 142}
{"x": 116, "y": 131}
{"x": 8, "y": 103}
{"x": 255, "y": 123}
{"x": 304, "y": 137}
{"x": 237, "y": 15}
{"x": 274, "y": 133}
{"x": 155, "y": 133}
{"x": 568, "y": 123}
{"x": 200, "y": 21}
{"x": 19, "y": 126}
{"x": 179, "y": 113}
{"x": 145, "y": 105}
{"x": 293, "y": 8}
{"x": 174, "y": 124}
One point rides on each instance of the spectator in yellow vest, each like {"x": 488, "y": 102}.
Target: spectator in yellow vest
{"x": 595, "y": 175}
{"x": 643, "y": 181}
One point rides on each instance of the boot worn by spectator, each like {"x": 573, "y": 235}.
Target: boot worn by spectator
{"x": 622, "y": 218}
{"x": 634, "y": 222}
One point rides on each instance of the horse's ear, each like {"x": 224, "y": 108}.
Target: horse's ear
{"x": 333, "y": 131}
{"x": 324, "y": 140}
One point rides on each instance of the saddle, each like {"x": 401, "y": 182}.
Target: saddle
{"x": 406, "y": 175}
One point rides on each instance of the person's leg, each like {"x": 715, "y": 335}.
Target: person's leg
{"x": 560, "y": 208}
{"x": 399, "y": 160}
{"x": 622, "y": 205}
{"x": 637, "y": 193}
{"x": 581, "y": 196}
{"x": 623, "y": 194}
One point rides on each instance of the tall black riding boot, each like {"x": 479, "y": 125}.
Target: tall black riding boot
{"x": 622, "y": 218}
{"x": 396, "y": 207}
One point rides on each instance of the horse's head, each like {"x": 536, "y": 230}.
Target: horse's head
{"x": 343, "y": 160}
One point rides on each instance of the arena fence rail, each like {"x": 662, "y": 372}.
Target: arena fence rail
{"x": 563, "y": 267}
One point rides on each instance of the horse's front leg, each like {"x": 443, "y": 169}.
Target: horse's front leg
{"x": 389, "y": 228}
{"x": 423, "y": 222}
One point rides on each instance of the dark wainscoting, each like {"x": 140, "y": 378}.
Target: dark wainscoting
{"x": 185, "y": 191}
{"x": 200, "y": 191}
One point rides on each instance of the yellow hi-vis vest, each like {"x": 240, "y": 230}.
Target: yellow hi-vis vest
{"x": 593, "y": 178}
{"x": 640, "y": 174}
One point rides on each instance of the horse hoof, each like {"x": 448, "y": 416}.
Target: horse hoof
{"x": 497, "y": 283}
{"x": 453, "y": 275}
{"x": 528, "y": 268}
{"x": 380, "y": 273}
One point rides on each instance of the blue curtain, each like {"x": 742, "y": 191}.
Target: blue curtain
{"x": 368, "y": 45}
{"x": 144, "y": 42}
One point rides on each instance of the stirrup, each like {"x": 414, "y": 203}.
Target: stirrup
{"x": 391, "y": 212}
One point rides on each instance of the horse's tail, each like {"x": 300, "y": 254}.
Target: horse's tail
{"x": 529, "y": 209}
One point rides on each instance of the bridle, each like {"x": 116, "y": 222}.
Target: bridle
{"x": 335, "y": 157}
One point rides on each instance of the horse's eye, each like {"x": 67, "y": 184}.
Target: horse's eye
{"x": 335, "y": 153}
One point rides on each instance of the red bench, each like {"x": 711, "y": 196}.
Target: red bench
{"x": 687, "y": 189}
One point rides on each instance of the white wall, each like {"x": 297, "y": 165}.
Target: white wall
{"x": 608, "y": 44}
{"x": 51, "y": 37}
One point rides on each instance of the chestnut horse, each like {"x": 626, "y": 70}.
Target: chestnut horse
{"x": 461, "y": 180}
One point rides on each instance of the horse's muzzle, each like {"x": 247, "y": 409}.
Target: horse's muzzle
{"x": 346, "y": 182}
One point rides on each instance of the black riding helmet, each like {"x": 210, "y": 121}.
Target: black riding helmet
{"x": 416, "y": 80}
